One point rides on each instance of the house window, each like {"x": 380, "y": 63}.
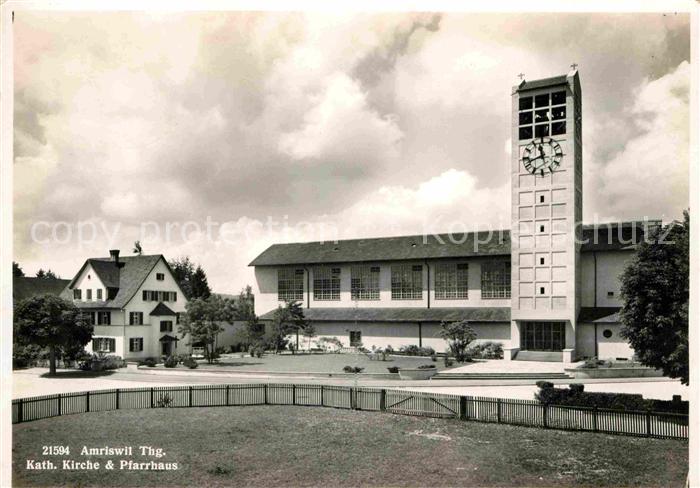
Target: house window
{"x": 166, "y": 325}
{"x": 364, "y": 282}
{"x": 607, "y": 333}
{"x": 136, "y": 344}
{"x": 103, "y": 344}
{"x": 451, "y": 281}
{"x": 99, "y": 293}
{"x": 88, "y": 294}
{"x": 77, "y": 294}
{"x": 406, "y": 282}
{"x": 160, "y": 276}
{"x": 548, "y": 117}
{"x": 135, "y": 318}
{"x": 495, "y": 280}
{"x": 177, "y": 318}
{"x": 173, "y": 296}
{"x": 611, "y": 294}
{"x": 290, "y": 284}
{"x": 326, "y": 283}
{"x": 88, "y": 317}
{"x": 355, "y": 338}
{"x": 104, "y": 318}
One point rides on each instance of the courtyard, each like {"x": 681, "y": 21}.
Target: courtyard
{"x": 301, "y": 446}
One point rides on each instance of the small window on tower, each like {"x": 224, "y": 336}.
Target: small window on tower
{"x": 558, "y": 98}
{"x": 542, "y": 130}
{"x": 541, "y": 228}
{"x": 541, "y": 198}
{"x": 542, "y": 100}
{"x": 525, "y": 103}
{"x": 542, "y": 261}
{"x": 525, "y": 118}
{"x": 541, "y": 290}
{"x": 525, "y": 133}
{"x": 558, "y": 128}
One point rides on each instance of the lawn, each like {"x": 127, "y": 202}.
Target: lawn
{"x": 303, "y": 446}
{"x": 317, "y": 363}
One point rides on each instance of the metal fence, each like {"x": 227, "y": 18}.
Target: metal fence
{"x": 481, "y": 409}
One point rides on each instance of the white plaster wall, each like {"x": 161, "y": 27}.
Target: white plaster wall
{"x": 88, "y": 279}
{"x": 404, "y": 334}
{"x": 610, "y": 265}
{"x": 585, "y": 340}
{"x": 615, "y": 346}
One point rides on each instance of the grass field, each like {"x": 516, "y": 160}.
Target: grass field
{"x": 302, "y": 446}
{"x": 322, "y": 363}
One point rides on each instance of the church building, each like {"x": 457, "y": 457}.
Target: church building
{"x": 547, "y": 288}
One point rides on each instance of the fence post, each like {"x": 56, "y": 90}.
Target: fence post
{"x": 116, "y": 402}
{"x": 228, "y": 389}
{"x": 462, "y": 408}
{"x": 595, "y": 418}
{"x": 190, "y": 396}
{"x": 545, "y": 411}
{"x": 382, "y": 400}
{"x": 152, "y": 404}
{"x": 352, "y": 398}
{"x": 322, "y": 399}
{"x": 648, "y": 418}
{"x": 59, "y": 404}
{"x": 294, "y": 394}
{"x": 265, "y": 393}
{"x": 20, "y": 411}
{"x": 87, "y": 401}
{"x": 498, "y": 410}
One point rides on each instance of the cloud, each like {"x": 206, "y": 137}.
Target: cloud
{"x": 370, "y": 124}
{"x": 649, "y": 174}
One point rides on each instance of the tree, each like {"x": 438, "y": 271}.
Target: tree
{"x": 202, "y": 321}
{"x": 287, "y": 320}
{"x": 51, "y": 322}
{"x": 46, "y": 274}
{"x": 199, "y": 285}
{"x": 16, "y": 270}
{"x": 191, "y": 278}
{"x": 137, "y": 248}
{"x": 458, "y": 336}
{"x": 655, "y": 293}
{"x": 245, "y": 309}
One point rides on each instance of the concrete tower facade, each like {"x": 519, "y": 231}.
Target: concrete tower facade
{"x": 546, "y": 180}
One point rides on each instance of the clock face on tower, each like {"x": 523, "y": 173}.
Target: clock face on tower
{"x": 542, "y": 156}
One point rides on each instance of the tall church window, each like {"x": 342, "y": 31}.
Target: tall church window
{"x": 326, "y": 283}
{"x": 407, "y": 282}
{"x": 495, "y": 279}
{"x": 451, "y": 281}
{"x": 364, "y": 282}
{"x": 290, "y": 284}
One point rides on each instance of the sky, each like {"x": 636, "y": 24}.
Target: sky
{"x": 215, "y": 135}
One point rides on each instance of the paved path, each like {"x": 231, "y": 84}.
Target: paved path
{"x": 30, "y": 382}
{"x": 501, "y": 366}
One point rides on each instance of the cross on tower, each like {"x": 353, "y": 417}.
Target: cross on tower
{"x": 574, "y": 66}
{"x": 521, "y": 75}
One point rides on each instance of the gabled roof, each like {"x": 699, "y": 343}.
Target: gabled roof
{"x": 24, "y": 287}
{"x": 162, "y": 309}
{"x": 613, "y": 236}
{"x": 403, "y": 314}
{"x": 127, "y": 278}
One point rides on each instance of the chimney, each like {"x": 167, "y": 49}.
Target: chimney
{"x": 114, "y": 254}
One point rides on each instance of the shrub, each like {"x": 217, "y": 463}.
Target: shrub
{"x": 426, "y": 366}
{"x": 448, "y": 362}
{"x": 170, "y": 362}
{"x": 576, "y": 387}
{"x": 191, "y": 363}
{"x": 544, "y": 384}
{"x": 164, "y": 401}
{"x": 393, "y": 369}
{"x": 414, "y": 350}
{"x": 150, "y": 362}
{"x": 388, "y": 349}
{"x": 353, "y": 369}
{"x": 433, "y": 358}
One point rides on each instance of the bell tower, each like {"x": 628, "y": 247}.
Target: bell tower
{"x": 546, "y": 179}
